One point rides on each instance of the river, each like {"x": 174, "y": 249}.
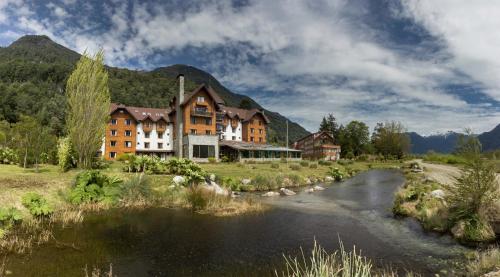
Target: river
{"x": 171, "y": 242}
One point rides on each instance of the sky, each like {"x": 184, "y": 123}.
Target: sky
{"x": 433, "y": 65}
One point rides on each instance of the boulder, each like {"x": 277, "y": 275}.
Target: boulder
{"x": 308, "y": 182}
{"x": 329, "y": 179}
{"x": 212, "y": 177}
{"x": 492, "y": 274}
{"x": 458, "y": 230}
{"x": 439, "y": 194}
{"x": 309, "y": 190}
{"x": 271, "y": 194}
{"x": 318, "y": 187}
{"x": 286, "y": 192}
{"x": 179, "y": 180}
{"x": 287, "y": 182}
{"x": 218, "y": 190}
{"x": 246, "y": 181}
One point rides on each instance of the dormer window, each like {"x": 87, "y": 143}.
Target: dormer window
{"x": 128, "y": 122}
{"x": 200, "y": 99}
{"x": 113, "y": 121}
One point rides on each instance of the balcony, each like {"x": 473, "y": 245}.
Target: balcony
{"x": 201, "y": 112}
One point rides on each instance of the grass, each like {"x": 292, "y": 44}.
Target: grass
{"x": 337, "y": 264}
{"x": 484, "y": 262}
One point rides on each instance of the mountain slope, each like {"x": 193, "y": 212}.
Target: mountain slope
{"x": 278, "y": 122}
{"x": 34, "y": 70}
{"x": 446, "y": 143}
{"x": 491, "y": 140}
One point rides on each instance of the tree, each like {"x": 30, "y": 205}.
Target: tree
{"x": 245, "y": 104}
{"x": 31, "y": 140}
{"x": 468, "y": 145}
{"x": 329, "y": 125}
{"x": 88, "y": 107}
{"x": 358, "y": 136}
{"x": 391, "y": 140}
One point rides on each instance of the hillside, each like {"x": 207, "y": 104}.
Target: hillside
{"x": 34, "y": 70}
{"x": 446, "y": 143}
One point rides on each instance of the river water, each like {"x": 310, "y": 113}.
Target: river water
{"x": 170, "y": 242}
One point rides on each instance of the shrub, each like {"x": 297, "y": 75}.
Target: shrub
{"x": 295, "y": 166}
{"x": 323, "y": 162}
{"x": 196, "y": 198}
{"x": 136, "y": 188}
{"x": 349, "y": 155}
{"x": 65, "y": 154}
{"x": 247, "y": 188}
{"x": 275, "y": 165}
{"x": 212, "y": 160}
{"x": 92, "y": 186}
{"x": 126, "y": 157}
{"x": 36, "y": 204}
{"x": 261, "y": 182}
{"x": 336, "y": 173}
{"x": 9, "y": 216}
{"x": 313, "y": 166}
{"x": 231, "y": 183}
{"x": 100, "y": 163}
{"x": 8, "y": 156}
{"x": 295, "y": 179}
{"x": 304, "y": 163}
{"x": 362, "y": 158}
{"x": 345, "y": 162}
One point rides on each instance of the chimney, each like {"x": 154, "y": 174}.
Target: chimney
{"x": 179, "y": 116}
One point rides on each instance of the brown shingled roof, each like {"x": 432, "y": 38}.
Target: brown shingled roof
{"x": 210, "y": 91}
{"x": 243, "y": 114}
{"x": 141, "y": 114}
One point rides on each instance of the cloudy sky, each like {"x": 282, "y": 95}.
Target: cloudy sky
{"x": 433, "y": 65}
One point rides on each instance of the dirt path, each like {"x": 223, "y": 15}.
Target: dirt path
{"x": 441, "y": 173}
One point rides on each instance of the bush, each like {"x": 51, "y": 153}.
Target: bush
{"x": 325, "y": 163}
{"x": 336, "y": 174}
{"x": 304, "y": 163}
{"x": 275, "y": 165}
{"x": 295, "y": 179}
{"x": 196, "y": 197}
{"x": 345, "y": 162}
{"x": 36, "y": 204}
{"x": 125, "y": 157}
{"x": 295, "y": 166}
{"x": 231, "y": 183}
{"x": 313, "y": 166}
{"x": 65, "y": 154}
{"x": 92, "y": 186}
{"x": 146, "y": 164}
{"x": 8, "y": 156}
{"x": 349, "y": 155}
{"x": 212, "y": 160}
{"x": 136, "y": 188}
{"x": 8, "y": 217}
{"x": 261, "y": 182}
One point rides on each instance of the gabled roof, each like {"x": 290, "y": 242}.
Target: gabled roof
{"x": 243, "y": 114}
{"x": 141, "y": 114}
{"x": 316, "y": 135}
{"x": 217, "y": 99}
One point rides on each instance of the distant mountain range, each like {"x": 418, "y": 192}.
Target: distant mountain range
{"x": 34, "y": 70}
{"x": 446, "y": 143}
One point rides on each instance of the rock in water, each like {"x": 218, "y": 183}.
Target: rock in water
{"x": 286, "y": 192}
{"x": 309, "y": 190}
{"x": 318, "y": 188}
{"x": 271, "y": 193}
{"x": 329, "y": 179}
{"x": 218, "y": 190}
{"x": 178, "y": 180}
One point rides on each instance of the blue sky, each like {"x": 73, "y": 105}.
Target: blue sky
{"x": 433, "y": 65}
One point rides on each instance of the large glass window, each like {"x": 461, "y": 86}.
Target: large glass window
{"x": 203, "y": 151}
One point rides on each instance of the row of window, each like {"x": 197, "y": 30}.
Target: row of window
{"x": 197, "y": 120}
{"x": 195, "y": 132}
{"x": 252, "y": 130}
{"x": 128, "y": 133}
{"x": 128, "y": 144}
{"x": 147, "y": 124}
{"x": 253, "y": 140}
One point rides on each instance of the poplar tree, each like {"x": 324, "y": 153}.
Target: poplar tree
{"x": 88, "y": 104}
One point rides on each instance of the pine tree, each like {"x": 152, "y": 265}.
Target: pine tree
{"x": 88, "y": 107}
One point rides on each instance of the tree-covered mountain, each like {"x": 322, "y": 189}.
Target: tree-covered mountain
{"x": 34, "y": 70}
{"x": 446, "y": 143}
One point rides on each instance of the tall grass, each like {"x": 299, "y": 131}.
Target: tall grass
{"x": 340, "y": 263}
{"x": 484, "y": 262}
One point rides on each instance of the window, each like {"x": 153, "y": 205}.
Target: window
{"x": 233, "y": 138}
{"x": 128, "y": 133}
{"x": 128, "y": 122}
{"x": 160, "y": 135}
{"x": 208, "y": 132}
{"x": 128, "y": 144}
{"x": 251, "y": 139}
{"x": 113, "y": 133}
{"x": 146, "y": 145}
{"x": 160, "y": 145}
{"x": 148, "y": 124}
{"x": 260, "y": 139}
{"x": 112, "y": 143}
{"x": 260, "y": 123}
{"x": 161, "y": 126}
{"x": 200, "y": 99}
{"x": 193, "y": 120}
{"x": 251, "y": 130}
{"x": 203, "y": 151}
{"x": 113, "y": 121}
{"x": 208, "y": 121}
{"x": 260, "y": 131}
{"x": 147, "y": 134}
{"x": 112, "y": 155}
{"x": 193, "y": 131}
